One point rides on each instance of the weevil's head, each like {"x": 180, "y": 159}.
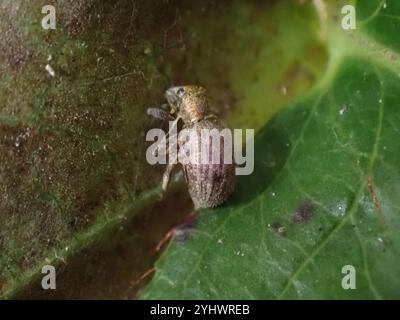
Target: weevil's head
{"x": 189, "y": 102}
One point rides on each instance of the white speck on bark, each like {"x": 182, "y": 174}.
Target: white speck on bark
{"x": 50, "y": 70}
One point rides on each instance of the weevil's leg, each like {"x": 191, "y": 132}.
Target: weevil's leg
{"x": 164, "y": 112}
{"x": 142, "y": 277}
{"x": 180, "y": 232}
{"x": 173, "y": 126}
{"x": 165, "y": 106}
{"x": 165, "y": 116}
{"x": 211, "y": 116}
{"x": 159, "y": 113}
{"x": 164, "y": 240}
{"x": 167, "y": 136}
{"x": 167, "y": 176}
{"x": 171, "y": 110}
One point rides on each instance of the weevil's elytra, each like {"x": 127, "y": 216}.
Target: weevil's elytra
{"x": 209, "y": 184}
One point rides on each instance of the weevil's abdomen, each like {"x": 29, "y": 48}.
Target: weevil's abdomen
{"x": 210, "y": 183}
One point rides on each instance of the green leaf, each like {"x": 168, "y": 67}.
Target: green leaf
{"x": 325, "y": 191}
{"x": 73, "y": 175}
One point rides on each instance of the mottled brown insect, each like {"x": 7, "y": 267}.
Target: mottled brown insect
{"x": 209, "y": 184}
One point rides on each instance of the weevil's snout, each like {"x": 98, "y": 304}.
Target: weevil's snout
{"x": 174, "y": 95}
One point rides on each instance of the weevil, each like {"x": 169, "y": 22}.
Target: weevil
{"x": 209, "y": 184}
